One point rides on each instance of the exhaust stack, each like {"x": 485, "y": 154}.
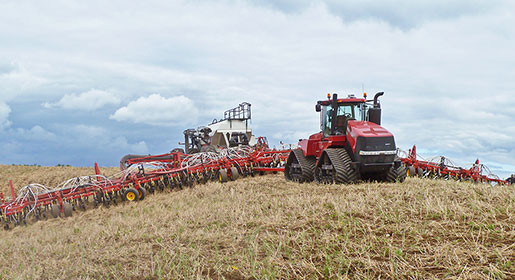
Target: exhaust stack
{"x": 374, "y": 113}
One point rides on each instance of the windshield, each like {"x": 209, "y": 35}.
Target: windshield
{"x": 351, "y": 111}
{"x": 345, "y": 113}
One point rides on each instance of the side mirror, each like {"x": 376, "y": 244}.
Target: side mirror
{"x": 318, "y": 108}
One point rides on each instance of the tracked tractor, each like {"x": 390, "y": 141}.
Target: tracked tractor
{"x": 351, "y": 146}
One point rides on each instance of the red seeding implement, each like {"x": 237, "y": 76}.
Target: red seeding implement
{"x": 442, "y": 167}
{"x": 352, "y": 146}
{"x": 139, "y": 177}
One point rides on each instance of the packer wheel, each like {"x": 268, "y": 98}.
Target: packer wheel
{"x": 234, "y": 173}
{"x": 67, "y": 209}
{"x": 222, "y": 176}
{"x": 410, "y": 171}
{"x": 55, "y": 210}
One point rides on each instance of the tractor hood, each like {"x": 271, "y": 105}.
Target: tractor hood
{"x": 365, "y": 129}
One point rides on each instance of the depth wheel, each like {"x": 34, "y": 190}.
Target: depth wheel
{"x": 131, "y": 194}
{"x": 299, "y": 168}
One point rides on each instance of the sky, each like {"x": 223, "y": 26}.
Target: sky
{"x": 86, "y": 81}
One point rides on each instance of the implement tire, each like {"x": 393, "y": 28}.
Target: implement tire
{"x": 131, "y": 194}
{"x": 142, "y": 193}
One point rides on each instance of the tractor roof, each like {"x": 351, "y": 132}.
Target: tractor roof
{"x": 343, "y": 100}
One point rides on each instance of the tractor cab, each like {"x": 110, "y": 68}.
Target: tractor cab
{"x": 336, "y": 113}
{"x": 346, "y": 109}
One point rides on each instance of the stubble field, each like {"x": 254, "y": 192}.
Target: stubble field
{"x": 267, "y": 228}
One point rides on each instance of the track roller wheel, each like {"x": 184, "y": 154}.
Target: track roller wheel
{"x": 334, "y": 166}
{"x": 222, "y": 176}
{"x": 55, "y": 210}
{"x": 131, "y": 194}
{"x": 67, "y": 209}
{"x": 142, "y": 193}
{"x": 298, "y": 168}
{"x": 234, "y": 173}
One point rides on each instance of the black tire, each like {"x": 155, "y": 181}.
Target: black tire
{"x": 234, "y": 173}
{"x": 55, "y": 210}
{"x": 342, "y": 171}
{"x": 222, "y": 176}
{"x": 142, "y": 193}
{"x": 131, "y": 194}
{"x": 396, "y": 174}
{"x": 298, "y": 168}
{"x": 67, "y": 209}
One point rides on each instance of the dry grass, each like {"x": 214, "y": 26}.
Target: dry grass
{"x": 45, "y": 175}
{"x": 265, "y": 228}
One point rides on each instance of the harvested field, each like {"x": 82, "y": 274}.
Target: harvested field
{"x": 45, "y": 175}
{"x": 267, "y": 228}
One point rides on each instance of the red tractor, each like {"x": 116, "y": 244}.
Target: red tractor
{"x": 352, "y": 145}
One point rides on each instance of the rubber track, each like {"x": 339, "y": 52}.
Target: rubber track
{"x": 395, "y": 174}
{"x": 341, "y": 162}
{"x": 307, "y": 165}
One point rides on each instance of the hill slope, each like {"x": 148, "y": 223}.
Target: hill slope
{"x": 264, "y": 227}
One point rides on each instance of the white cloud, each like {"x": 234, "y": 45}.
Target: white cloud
{"x": 447, "y": 68}
{"x": 398, "y": 13}
{"x": 5, "y": 110}
{"x": 158, "y": 110}
{"x": 99, "y": 138}
{"x": 36, "y": 133}
{"x": 87, "y": 101}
